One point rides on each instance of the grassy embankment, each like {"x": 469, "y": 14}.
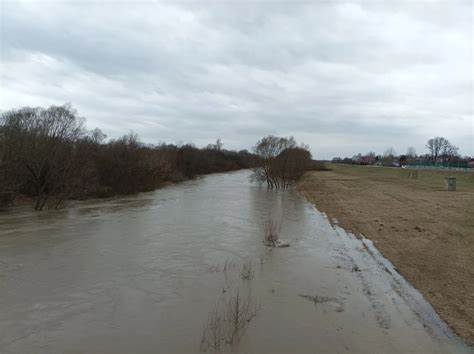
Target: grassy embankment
{"x": 425, "y": 231}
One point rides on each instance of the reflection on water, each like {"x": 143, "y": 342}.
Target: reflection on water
{"x": 141, "y": 274}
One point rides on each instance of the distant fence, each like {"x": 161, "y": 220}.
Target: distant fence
{"x": 461, "y": 166}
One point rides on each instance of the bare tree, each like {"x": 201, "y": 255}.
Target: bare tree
{"x": 97, "y": 136}
{"x": 8, "y": 170}
{"x": 440, "y": 149}
{"x": 434, "y": 147}
{"x": 39, "y": 141}
{"x": 267, "y": 149}
{"x": 282, "y": 161}
{"x": 290, "y": 165}
{"x": 449, "y": 151}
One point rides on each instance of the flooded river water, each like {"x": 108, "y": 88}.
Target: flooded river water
{"x": 142, "y": 274}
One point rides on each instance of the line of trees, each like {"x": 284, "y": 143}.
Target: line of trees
{"x": 47, "y": 154}
{"x": 440, "y": 152}
{"x": 282, "y": 161}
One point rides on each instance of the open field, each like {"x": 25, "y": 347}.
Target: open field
{"x": 425, "y": 231}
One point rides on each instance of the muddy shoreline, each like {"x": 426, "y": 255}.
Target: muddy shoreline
{"x": 414, "y": 224}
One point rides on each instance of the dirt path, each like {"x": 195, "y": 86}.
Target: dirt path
{"x": 427, "y": 233}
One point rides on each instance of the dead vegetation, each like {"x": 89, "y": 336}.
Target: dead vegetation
{"x": 213, "y": 333}
{"x": 238, "y": 313}
{"x": 228, "y": 319}
{"x": 247, "y": 271}
{"x": 271, "y": 233}
{"x": 227, "y": 322}
{"x": 317, "y": 299}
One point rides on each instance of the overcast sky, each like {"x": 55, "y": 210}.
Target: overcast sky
{"x": 344, "y": 77}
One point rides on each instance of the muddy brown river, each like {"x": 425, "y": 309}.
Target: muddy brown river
{"x": 142, "y": 274}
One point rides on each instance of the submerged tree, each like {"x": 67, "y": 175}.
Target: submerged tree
{"x": 282, "y": 161}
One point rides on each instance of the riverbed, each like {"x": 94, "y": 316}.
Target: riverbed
{"x": 143, "y": 274}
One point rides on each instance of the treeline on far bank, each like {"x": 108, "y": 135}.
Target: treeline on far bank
{"x": 47, "y": 154}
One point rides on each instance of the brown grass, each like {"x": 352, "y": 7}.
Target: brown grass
{"x": 425, "y": 231}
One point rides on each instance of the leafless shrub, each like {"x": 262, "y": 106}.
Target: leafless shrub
{"x": 213, "y": 333}
{"x": 226, "y": 324}
{"x": 247, "y": 271}
{"x": 227, "y": 267}
{"x": 271, "y": 233}
{"x": 238, "y": 312}
{"x": 318, "y": 299}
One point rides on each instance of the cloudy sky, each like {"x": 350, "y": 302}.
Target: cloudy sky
{"x": 344, "y": 77}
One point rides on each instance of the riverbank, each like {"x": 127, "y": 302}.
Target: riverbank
{"x": 426, "y": 232}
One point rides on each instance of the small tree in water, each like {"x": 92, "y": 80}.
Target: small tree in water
{"x": 282, "y": 161}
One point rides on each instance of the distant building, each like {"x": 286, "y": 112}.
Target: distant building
{"x": 471, "y": 163}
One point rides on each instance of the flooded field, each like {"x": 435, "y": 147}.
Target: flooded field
{"x": 144, "y": 274}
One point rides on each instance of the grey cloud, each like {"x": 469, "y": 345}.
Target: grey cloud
{"x": 343, "y": 76}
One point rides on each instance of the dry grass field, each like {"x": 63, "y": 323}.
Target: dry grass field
{"x": 425, "y": 231}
